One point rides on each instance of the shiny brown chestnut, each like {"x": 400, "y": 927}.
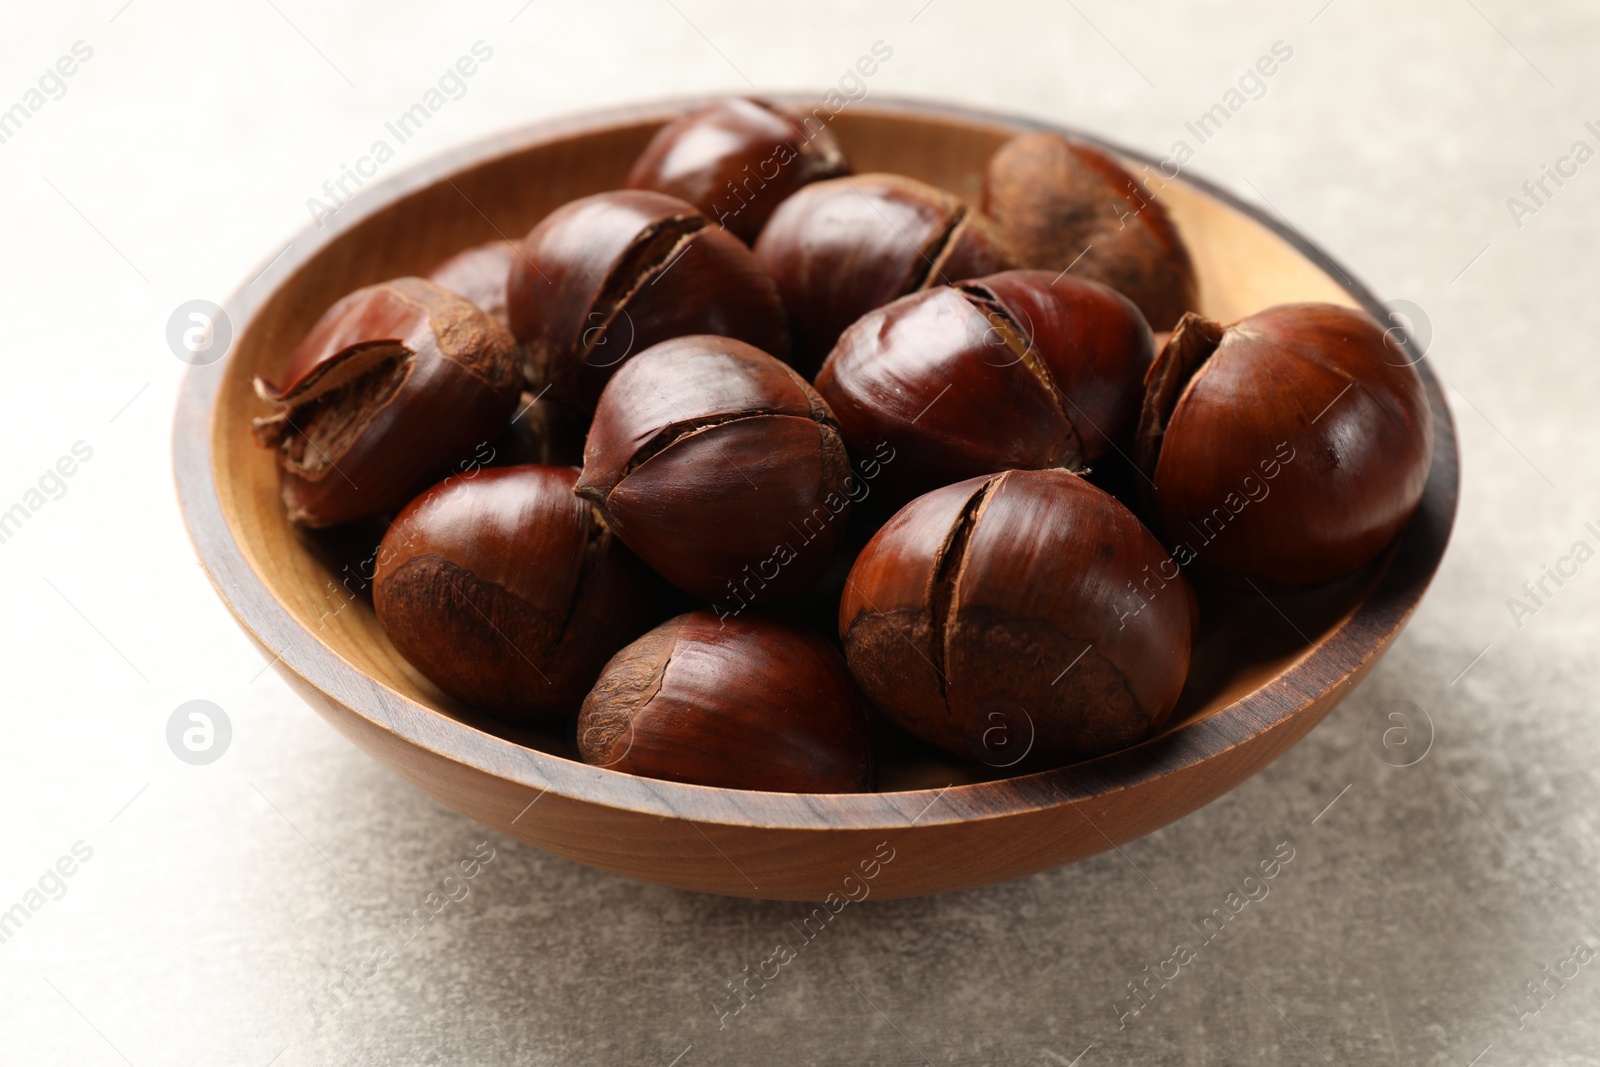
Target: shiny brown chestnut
{"x": 1021, "y": 619}
{"x": 837, "y": 249}
{"x": 479, "y": 274}
{"x": 393, "y": 384}
{"x": 736, "y": 160}
{"x": 1292, "y": 446}
{"x": 1065, "y": 204}
{"x": 508, "y": 592}
{"x": 746, "y": 703}
{"x": 607, "y": 276}
{"x": 722, "y": 468}
{"x": 1014, "y": 370}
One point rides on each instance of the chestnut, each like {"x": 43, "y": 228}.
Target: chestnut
{"x": 393, "y": 384}
{"x": 1022, "y": 615}
{"x": 837, "y": 249}
{"x": 508, "y": 592}
{"x": 1065, "y": 204}
{"x": 479, "y": 274}
{"x": 1291, "y": 446}
{"x": 721, "y": 467}
{"x": 609, "y": 275}
{"x": 736, "y": 160}
{"x": 1013, "y": 370}
{"x": 746, "y": 703}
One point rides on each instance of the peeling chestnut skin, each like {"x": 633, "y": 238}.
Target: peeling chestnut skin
{"x": 736, "y": 160}
{"x": 479, "y": 274}
{"x": 837, "y": 249}
{"x": 1024, "y": 612}
{"x": 607, "y": 276}
{"x": 508, "y": 591}
{"x": 1013, "y": 370}
{"x": 742, "y": 703}
{"x": 1291, "y": 446}
{"x": 1053, "y": 198}
{"x": 722, "y": 468}
{"x": 392, "y": 385}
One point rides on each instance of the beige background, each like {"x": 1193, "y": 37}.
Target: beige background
{"x": 220, "y": 900}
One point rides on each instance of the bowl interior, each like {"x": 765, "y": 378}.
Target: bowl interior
{"x": 435, "y": 211}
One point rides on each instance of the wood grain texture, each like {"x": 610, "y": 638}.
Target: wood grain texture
{"x": 1256, "y": 687}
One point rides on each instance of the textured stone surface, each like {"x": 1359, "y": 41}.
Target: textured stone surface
{"x": 220, "y": 901}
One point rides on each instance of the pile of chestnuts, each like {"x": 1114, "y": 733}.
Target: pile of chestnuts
{"x": 713, "y": 470}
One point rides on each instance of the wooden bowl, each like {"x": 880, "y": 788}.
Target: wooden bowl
{"x": 1265, "y": 672}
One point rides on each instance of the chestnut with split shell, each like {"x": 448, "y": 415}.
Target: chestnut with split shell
{"x": 1022, "y": 619}
{"x": 392, "y": 385}
{"x": 1291, "y": 446}
{"x": 1014, "y": 370}
{"x": 722, "y": 468}
{"x": 837, "y": 249}
{"x": 745, "y": 703}
{"x": 605, "y": 277}
{"x": 736, "y": 160}
{"x": 509, "y": 592}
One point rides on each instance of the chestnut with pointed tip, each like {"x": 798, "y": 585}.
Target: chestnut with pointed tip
{"x": 393, "y": 384}
{"x": 479, "y": 274}
{"x": 722, "y": 468}
{"x": 745, "y": 703}
{"x": 1064, "y": 205}
{"x": 509, "y": 592}
{"x": 1291, "y": 446}
{"x": 1022, "y": 619}
{"x": 607, "y": 276}
{"x": 1013, "y": 370}
{"x": 837, "y": 249}
{"x": 736, "y": 160}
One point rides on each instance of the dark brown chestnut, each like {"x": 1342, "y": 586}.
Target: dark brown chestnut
{"x": 746, "y": 703}
{"x": 610, "y": 275}
{"x": 1013, "y": 370}
{"x": 1022, "y": 619}
{"x": 479, "y": 274}
{"x": 837, "y": 249}
{"x": 508, "y": 592}
{"x": 736, "y": 160}
{"x": 1065, "y": 204}
{"x": 1292, "y": 446}
{"x": 722, "y": 468}
{"x": 393, "y": 384}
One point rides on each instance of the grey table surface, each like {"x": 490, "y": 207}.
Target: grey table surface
{"x": 210, "y": 910}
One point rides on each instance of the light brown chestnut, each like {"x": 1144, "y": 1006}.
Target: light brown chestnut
{"x": 607, "y": 276}
{"x": 392, "y": 385}
{"x": 508, "y": 592}
{"x": 736, "y": 160}
{"x": 722, "y": 468}
{"x": 837, "y": 249}
{"x": 1291, "y": 446}
{"x": 1065, "y": 204}
{"x": 1022, "y": 619}
{"x": 1014, "y": 370}
{"x": 746, "y": 703}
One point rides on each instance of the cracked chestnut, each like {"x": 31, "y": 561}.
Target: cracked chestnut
{"x": 1023, "y": 618}
{"x": 837, "y": 249}
{"x": 508, "y": 591}
{"x": 722, "y": 468}
{"x": 607, "y": 276}
{"x": 745, "y": 703}
{"x": 1013, "y": 370}
{"x": 392, "y": 385}
{"x": 1292, "y": 445}
{"x": 1065, "y": 204}
{"x": 736, "y": 160}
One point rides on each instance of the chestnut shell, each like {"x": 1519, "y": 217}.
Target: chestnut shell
{"x": 1023, "y": 618}
{"x": 746, "y": 703}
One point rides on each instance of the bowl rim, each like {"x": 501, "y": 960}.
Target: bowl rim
{"x": 1355, "y": 641}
